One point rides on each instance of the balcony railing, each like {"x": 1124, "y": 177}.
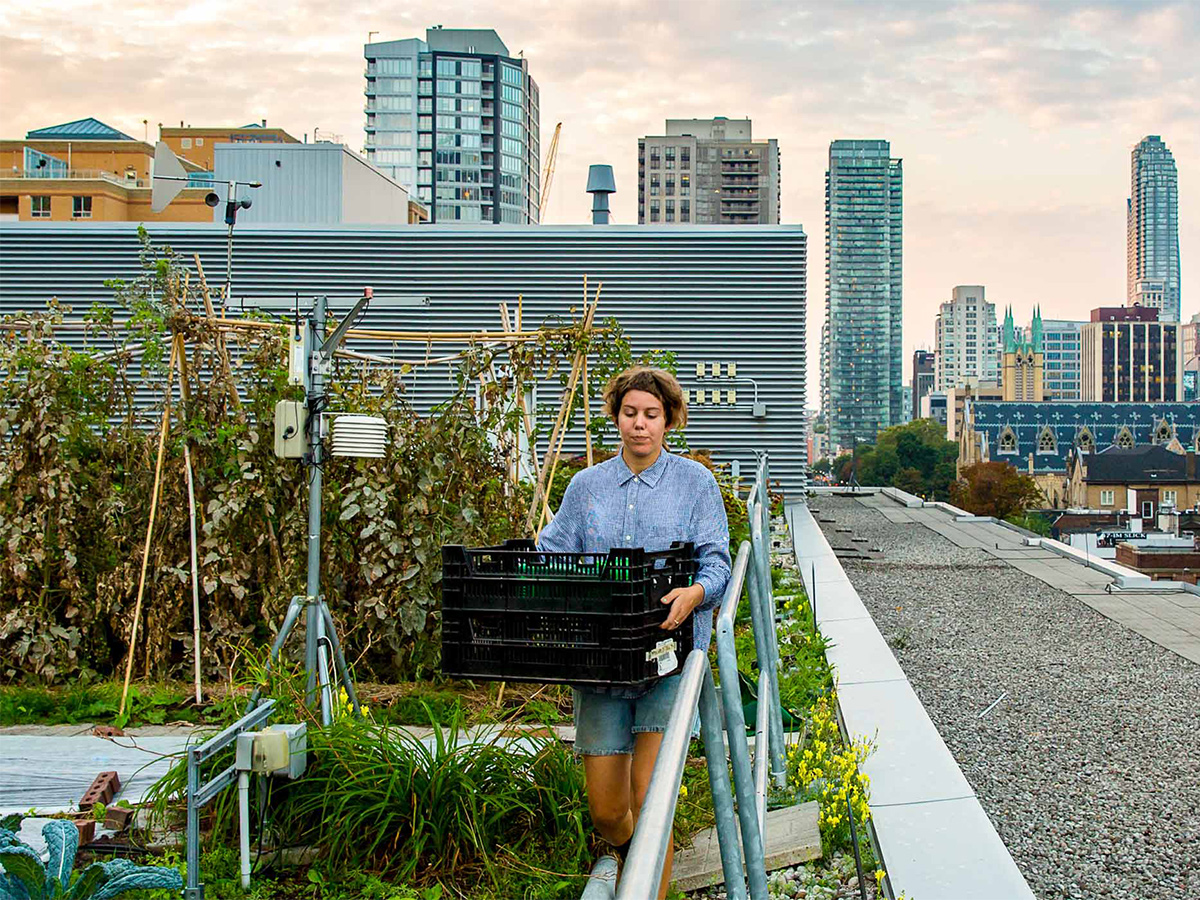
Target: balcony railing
{"x": 74, "y": 175}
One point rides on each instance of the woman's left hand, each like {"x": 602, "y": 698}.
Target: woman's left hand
{"x": 682, "y": 600}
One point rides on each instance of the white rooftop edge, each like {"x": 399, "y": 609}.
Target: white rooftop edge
{"x": 936, "y": 840}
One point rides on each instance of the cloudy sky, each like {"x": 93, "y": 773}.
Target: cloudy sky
{"x": 1014, "y": 120}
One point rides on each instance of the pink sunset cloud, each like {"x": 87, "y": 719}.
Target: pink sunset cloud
{"x": 1014, "y": 120}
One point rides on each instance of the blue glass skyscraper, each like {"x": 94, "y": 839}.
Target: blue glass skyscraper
{"x": 1152, "y": 220}
{"x": 863, "y": 363}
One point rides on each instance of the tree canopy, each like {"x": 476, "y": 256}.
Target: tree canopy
{"x": 995, "y": 489}
{"x": 915, "y": 457}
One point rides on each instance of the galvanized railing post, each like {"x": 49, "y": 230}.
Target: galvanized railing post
{"x": 712, "y": 729}
{"x": 735, "y": 727}
{"x": 766, "y": 642}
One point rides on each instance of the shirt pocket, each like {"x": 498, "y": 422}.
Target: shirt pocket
{"x": 662, "y": 535}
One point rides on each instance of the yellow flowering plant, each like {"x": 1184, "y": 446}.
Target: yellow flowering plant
{"x": 825, "y": 769}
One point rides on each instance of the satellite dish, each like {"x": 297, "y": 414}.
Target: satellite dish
{"x": 169, "y": 177}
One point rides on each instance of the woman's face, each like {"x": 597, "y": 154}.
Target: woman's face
{"x": 642, "y": 423}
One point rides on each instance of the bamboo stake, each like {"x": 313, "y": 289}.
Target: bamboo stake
{"x": 222, "y": 349}
{"x": 525, "y": 417}
{"x": 587, "y": 399}
{"x": 558, "y": 435}
{"x": 187, "y": 465}
{"x": 587, "y": 413}
{"x": 543, "y": 486}
{"x": 184, "y": 397}
{"x": 162, "y": 442}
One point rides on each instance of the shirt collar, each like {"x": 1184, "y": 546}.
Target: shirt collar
{"x": 648, "y": 476}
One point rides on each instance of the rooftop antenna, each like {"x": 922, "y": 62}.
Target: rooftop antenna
{"x": 600, "y": 184}
{"x": 170, "y": 178}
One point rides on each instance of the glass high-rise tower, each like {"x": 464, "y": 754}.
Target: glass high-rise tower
{"x": 454, "y": 118}
{"x": 1152, "y": 229}
{"x": 863, "y": 364}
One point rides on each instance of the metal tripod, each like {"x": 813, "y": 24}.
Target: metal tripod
{"x": 322, "y": 650}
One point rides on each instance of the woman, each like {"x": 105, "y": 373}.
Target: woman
{"x": 644, "y": 497}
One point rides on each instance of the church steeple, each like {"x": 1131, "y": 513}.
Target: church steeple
{"x": 1037, "y": 329}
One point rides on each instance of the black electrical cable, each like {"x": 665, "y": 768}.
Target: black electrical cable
{"x": 263, "y": 806}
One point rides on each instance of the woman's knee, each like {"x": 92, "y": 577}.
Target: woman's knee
{"x": 607, "y": 790}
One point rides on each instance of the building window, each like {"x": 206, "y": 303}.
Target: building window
{"x": 1087, "y": 443}
{"x": 1169, "y": 498}
{"x": 39, "y": 207}
{"x": 1165, "y": 433}
{"x": 685, "y": 210}
{"x": 185, "y": 143}
{"x": 1046, "y": 441}
{"x": 1008, "y": 440}
{"x": 1124, "y": 437}
{"x": 1108, "y": 498}
{"x": 81, "y": 208}
{"x": 199, "y": 142}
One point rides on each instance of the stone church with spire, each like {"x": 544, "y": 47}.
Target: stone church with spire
{"x": 1023, "y": 364}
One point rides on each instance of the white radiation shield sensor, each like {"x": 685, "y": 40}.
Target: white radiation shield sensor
{"x": 362, "y": 436}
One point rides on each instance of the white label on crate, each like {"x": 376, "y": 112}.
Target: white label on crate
{"x": 664, "y": 654}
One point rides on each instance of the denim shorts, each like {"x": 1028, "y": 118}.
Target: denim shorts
{"x": 606, "y": 721}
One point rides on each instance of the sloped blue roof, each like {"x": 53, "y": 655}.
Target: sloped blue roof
{"x": 80, "y": 129}
{"x": 1067, "y": 421}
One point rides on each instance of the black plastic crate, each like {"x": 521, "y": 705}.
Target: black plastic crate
{"x": 515, "y": 613}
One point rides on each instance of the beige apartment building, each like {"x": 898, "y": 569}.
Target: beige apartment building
{"x": 709, "y": 172}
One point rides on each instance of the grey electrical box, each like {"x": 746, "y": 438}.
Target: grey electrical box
{"x": 291, "y": 417}
{"x": 760, "y": 410}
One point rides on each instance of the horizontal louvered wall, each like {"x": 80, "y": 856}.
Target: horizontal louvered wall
{"x": 711, "y": 294}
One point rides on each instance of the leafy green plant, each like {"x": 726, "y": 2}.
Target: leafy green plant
{"x": 26, "y": 877}
{"x": 77, "y": 475}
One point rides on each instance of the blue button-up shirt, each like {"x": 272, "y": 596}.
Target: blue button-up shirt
{"x": 675, "y": 499}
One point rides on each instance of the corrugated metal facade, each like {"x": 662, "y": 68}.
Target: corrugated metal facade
{"x": 711, "y": 294}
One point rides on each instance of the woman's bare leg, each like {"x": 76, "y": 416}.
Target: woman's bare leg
{"x": 645, "y": 752}
{"x": 608, "y": 781}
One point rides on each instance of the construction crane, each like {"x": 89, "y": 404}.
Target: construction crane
{"x": 548, "y": 172}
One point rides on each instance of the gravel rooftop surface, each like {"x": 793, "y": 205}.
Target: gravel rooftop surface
{"x": 1090, "y": 767}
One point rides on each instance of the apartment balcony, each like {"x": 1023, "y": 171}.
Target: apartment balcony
{"x": 79, "y": 175}
{"x": 488, "y": 145}
{"x": 489, "y": 73}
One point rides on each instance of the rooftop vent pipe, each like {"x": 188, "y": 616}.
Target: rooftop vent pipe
{"x": 600, "y": 184}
